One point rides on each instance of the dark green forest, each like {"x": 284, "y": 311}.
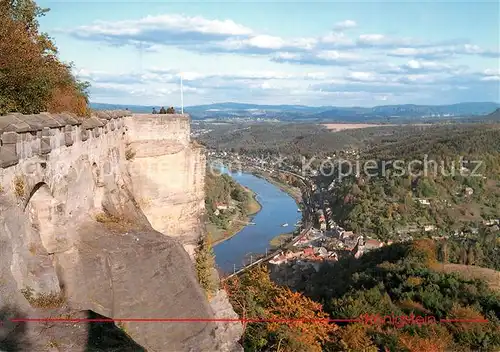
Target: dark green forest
{"x": 223, "y": 189}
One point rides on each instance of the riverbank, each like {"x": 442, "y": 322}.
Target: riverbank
{"x": 279, "y": 240}
{"x": 293, "y": 192}
{"x": 238, "y": 222}
{"x": 253, "y": 206}
{"x": 252, "y": 241}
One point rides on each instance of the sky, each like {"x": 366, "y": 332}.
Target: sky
{"x": 325, "y": 53}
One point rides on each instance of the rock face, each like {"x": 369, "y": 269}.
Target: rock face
{"x": 98, "y": 211}
{"x": 230, "y": 332}
{"x": 173, "y": 196}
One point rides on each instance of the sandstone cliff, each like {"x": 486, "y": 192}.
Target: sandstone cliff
{"x": 95, "y": 215}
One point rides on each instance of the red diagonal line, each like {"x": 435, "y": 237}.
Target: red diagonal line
{"x": 223, "y": 320}
{"x": 176, "y": 320}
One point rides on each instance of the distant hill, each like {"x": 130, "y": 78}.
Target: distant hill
{"x": 402, "y": 112}
{"x": 133, "y": 108}
{"x": 495, "y": 115}
{"x": 489, "y": 118}
{"x": 383, "y": 113}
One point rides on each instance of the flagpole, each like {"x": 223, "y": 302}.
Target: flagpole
{"x": 182, "y": 98}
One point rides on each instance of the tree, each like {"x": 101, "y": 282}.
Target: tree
{"x": 444, "y": 252}
{"x": 438, "y": 340}
{"x": 354, "y": 338}
{"x": 470, "y": 255}
{"x": 255, "y": 297}
{"x": 32, "y": 79}
{"x": 205, "y": 265}
{"x": 308, "y": 327}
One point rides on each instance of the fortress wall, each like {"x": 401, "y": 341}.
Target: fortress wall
{"x": 58, "y": 172}
{"x": 149, "y": 127}
{"x": 167, "y": 173}
{"x": 74, "y": 157}
{"x": 48, "y": 181}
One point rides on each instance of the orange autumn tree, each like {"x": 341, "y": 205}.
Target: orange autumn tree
{"x": 354, "y": 337}
{"x": 275, "y": 317}
{"x": 307, "y": 328}
{"x": 435, "y": 339}
{"x": 32, "y": 78}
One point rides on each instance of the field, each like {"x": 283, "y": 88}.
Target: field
{"x": 350, "y": 126}
{"x": 492, "y": 277}
{"x": 353, "y": 126}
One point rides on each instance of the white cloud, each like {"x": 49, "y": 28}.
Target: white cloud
{"x": 336, "y": 55}
{"x": 266, "y": 42}
{"x": 200, "y": 34}
{"x": 263, "y": 44}
{"x": 444, "y": 51}
{"x": 347, "y": 24}
{"x": 172, "y": 24}
{"x": 325, "y": 58}
{"x": 376, "y": 63}
{"x": 381, "y": 40}
{"x": 492, "y": 72}
{"x": 277, "y": 87}
{"x": 337, "y": 39}
{"x": 491, "y": 75}
{"x": 363, "y": 76}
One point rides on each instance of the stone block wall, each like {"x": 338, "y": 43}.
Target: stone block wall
{"x": 26, "y": 136}
{"x": 58, "y": 172}
{"x": 149, "y": 127}
{"x": 166, "y": 170}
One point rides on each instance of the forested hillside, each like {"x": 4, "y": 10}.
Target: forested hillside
{"x": 297, "y": 140}
{"x": 32, "y": 78}
{"x": 289, "y": 139}
{"x": 398, "y": 280}
{"x": 228, "y": 205}
{"x": 449, "y": 193}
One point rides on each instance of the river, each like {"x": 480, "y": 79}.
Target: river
{"x": 277, "y": 208}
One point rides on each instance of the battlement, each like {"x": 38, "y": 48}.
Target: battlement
{"x": 25, "y": 136}
{"x": 148, "y": 127}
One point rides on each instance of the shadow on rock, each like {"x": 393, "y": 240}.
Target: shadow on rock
{"x": 104, "y": 336}
{"x": 13, "y": 334}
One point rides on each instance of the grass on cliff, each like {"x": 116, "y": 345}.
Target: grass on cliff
{"x": 44, "y": 300}
{"x": 114, "y": 223}
{"x": 205, "y": 266}
{"x": 19, "y": 186}
{"x": 129, "y": 154}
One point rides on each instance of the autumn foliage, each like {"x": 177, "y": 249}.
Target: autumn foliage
{"x": 277, "y": 318}
{"x": 32, "y": 78}
{"x": 397, "y": 280}
{"x": 437, "y": 340}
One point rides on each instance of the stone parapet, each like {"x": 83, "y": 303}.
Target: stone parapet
{"x": 24, "y": 136}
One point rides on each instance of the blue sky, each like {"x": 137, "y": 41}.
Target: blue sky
{"x": 313, "y": 53}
